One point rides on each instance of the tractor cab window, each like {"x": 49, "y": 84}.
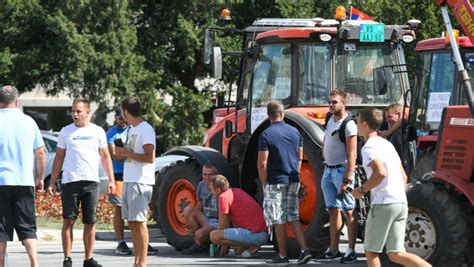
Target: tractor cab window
{"x": 272, "y": 75}
{"x": 436, "y": 76}
{"x": 315, "y": 66}
{"x": 355, "y": 63}
{"x": 440, "y": 89}
{"x": 418, "y": 106}
{"x": 469, "y": 65}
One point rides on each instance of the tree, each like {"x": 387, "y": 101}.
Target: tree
{"x": 83, "y": 47}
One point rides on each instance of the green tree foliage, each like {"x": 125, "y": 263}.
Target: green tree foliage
{"x": 84, "y": 46}
{"x": 182, "y": 121}
{"x": 153, "y": 48}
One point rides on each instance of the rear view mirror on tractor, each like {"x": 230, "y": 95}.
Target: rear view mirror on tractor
{"x": 208, "y": 44}
{"x": 212, "y": 54}
{"x": 216, "y": 62}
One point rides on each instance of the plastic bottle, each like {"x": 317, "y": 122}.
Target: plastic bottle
{"x": 212, "y": 250}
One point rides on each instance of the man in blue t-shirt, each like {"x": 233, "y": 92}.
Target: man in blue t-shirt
{"x": 118, "y": 132}
{"x": 279, "y": 161}
{"x": 22, "y": 167}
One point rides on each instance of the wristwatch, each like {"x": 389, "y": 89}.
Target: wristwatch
{"x": 361, "y": 190}
{"x": 346, "y": 181}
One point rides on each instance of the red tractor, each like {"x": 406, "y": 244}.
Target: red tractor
{"x": 296, "y": 61}
{"x": 441, "y": 192}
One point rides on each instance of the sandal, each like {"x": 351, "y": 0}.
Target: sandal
{"x": 249, "y": 254}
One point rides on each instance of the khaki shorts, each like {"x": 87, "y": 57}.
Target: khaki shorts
{"x": 386, "y": 226}
{"x": 135, "y": 199}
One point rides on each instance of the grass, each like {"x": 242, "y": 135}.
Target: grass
{"x": 56, "y": 223}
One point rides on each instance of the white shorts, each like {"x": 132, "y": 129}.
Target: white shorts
{"x": 135, "y": 199}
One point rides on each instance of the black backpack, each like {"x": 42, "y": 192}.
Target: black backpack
{"x": 342, "y": 133}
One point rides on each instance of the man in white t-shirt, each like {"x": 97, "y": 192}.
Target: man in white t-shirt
{"x": 386, "y": 221}
{"x": 81, "y": 145}
{"x": 138, "y": 176}
{"x": 340, "y": 153}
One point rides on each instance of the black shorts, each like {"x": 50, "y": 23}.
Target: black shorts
{"x": 17, "y": 211}
{"x": 81, "y": 194}
{"x": 118, "y": 176}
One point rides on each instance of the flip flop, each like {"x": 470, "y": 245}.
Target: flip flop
{"x": 247, "y": 254}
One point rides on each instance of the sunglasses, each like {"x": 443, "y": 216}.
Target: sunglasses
{"x": 333, "y": 102}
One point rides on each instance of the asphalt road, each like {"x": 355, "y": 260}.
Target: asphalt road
{"x": 50, "y": 255}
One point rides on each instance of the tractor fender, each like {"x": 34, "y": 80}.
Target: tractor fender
{"x": 460, "y": 185}
{"x": 205, "y": 155}
{"x": 315, "y": 131}
{"x": 249, "y": 166}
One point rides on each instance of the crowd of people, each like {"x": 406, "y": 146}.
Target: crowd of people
{"x": 81, "y": 145}
{"x": 221, "y": 216}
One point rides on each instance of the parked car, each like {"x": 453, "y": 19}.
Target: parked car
{"x": 51, "y": 140}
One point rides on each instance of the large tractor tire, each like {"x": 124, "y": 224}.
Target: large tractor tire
{"x": 436, "y": 228}
{"x": 154, "y": 198}
{"x": 424, "y": 166}
{"x": 313, "y": 214}
{"x": 177, "y": 191}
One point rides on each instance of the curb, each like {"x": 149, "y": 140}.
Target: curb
{"x": 110, "y": 236}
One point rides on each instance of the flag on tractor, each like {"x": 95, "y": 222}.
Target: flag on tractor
{"x": 356, "y": 14}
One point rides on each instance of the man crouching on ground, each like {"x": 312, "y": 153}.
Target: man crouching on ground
{"x": 240, "y": 210}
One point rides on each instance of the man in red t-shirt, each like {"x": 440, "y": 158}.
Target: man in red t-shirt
{"x": 241, "y": 222}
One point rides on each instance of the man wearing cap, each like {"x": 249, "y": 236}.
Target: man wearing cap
{"x": 118, "y": 132}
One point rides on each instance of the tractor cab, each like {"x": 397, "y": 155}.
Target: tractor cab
{"x": 299, "y": 61}
{"x": 437, "y": 82}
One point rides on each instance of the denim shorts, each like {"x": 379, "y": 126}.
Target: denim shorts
{"x": 246, "y": 236}
{"x": 213, "y": 222}
{"x": 331, "y": 186}
{"x": 116, "y": 197}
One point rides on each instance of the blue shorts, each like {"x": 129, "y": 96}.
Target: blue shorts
{"x": 245, "y": 236}
{"x": 331, "y": 186}
{"x": 213, "y": 222}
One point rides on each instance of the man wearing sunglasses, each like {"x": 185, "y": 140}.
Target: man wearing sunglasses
{"x": 338, "y": 175}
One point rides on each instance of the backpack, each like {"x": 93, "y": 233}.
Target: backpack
{"x": 342, "y": 133}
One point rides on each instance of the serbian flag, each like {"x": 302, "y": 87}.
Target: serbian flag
{"x": 356, "y": 14}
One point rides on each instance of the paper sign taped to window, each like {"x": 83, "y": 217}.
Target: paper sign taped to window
{"x": 258, "y": 115}
{"x": 436, "y": 103}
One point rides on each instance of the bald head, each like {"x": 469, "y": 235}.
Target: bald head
{"x": 8, "y": 94}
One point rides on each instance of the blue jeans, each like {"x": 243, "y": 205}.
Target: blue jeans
{"x": 331, "y": 186}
